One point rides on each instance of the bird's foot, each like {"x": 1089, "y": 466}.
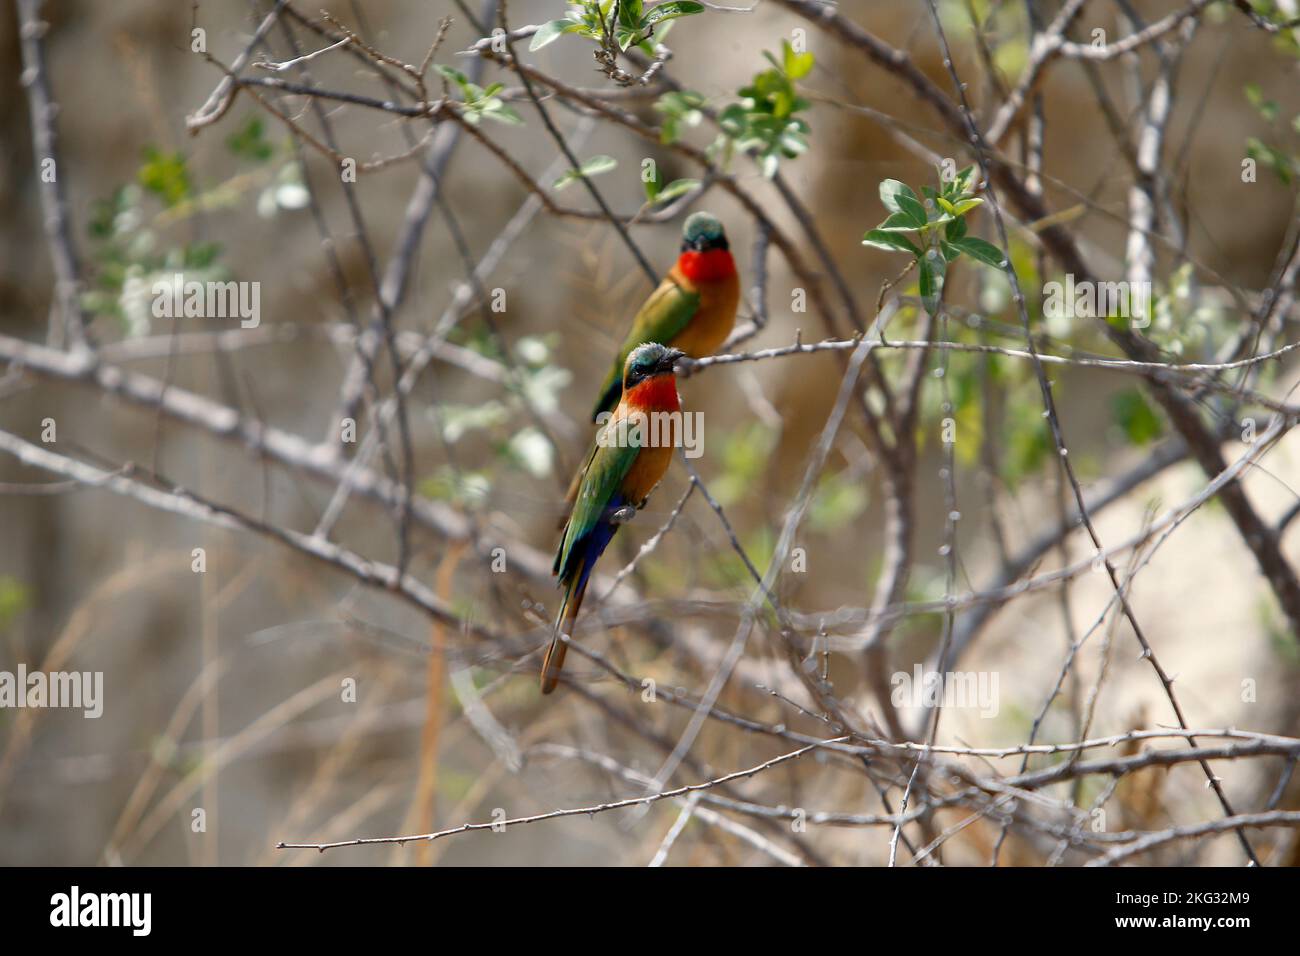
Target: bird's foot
{"x": 622, "y": 515}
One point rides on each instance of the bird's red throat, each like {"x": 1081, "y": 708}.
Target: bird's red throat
{"x": 657, "y": 394}
{"x": 710, "y": 265}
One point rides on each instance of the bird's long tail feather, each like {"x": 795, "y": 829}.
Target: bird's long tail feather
{"x": 554, "y": 660}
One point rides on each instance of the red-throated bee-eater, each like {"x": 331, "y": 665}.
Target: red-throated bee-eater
{"x": 618, "y": 477}
{"x": 694, "y": 308}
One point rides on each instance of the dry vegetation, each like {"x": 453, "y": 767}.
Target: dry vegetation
{"x": 311, "y": 554}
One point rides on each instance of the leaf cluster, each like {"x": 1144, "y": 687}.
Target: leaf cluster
{"x": 938, "y": 224}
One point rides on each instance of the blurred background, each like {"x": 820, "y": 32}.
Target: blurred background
{"x": 227, "y": 691}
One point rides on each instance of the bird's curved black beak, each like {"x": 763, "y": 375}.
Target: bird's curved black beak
{"x": 668, "y": 363}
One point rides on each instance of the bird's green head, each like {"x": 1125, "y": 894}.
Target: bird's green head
{"x": 703, "y": 231}
{"x": 648, "y": 361}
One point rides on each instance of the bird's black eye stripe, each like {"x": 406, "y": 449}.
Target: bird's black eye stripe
{"x": 639, "y": 371}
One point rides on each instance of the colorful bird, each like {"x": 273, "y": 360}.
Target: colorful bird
{"x": 694, "y": 308}
{"x": 628, "y": 459}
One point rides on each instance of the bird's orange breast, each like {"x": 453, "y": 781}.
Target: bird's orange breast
{"x": 716, "y": 315}
{"x": 656, "y": 400}
{"x": 646, "y": 472}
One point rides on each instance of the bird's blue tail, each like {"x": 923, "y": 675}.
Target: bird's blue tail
{"x": 577, "y": 573}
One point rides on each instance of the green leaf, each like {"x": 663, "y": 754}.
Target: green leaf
{"x": 679, "y": 102}
{"x": 653, "y": 184}
{"x": 670, "y": 11}
{"x": 678, "y": 108}
{"x": 899, "y": 222}
{"x": 960, "y": 183}
{"x": 938, "y": 265}
{"x": 935, "y": 213}
{"x": 497, "y": 110}
{"x": 890, "y": 242}
{"x": 1138, "y": 420}
{"x": 165, "y": 175}
{"x": 676, "y": 188}
{"x": 250, "y": 142}
{"x": 549, "y": 32}
{"x": 932, "y": 267}
{"x": 453, "y": 74}
{"x": 912, "y": 208}
{"x": 985, "y": 252}
{"x": 1281, "y": 164}
{"x": 1267, "y": 108}
{"x": 762, "y": 124}
{"x": 899, "y": 198}
{"x": 955, "y": 229}
{"x": 592, "y": 167}
{"x": 889, "y": 190}
{"x": 796, "y": 65}
{"x": 629, "y": 13}
{"x": 929, "y": 285}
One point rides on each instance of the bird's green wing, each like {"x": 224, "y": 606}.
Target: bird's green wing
{"x": 669, "y": 309}
{"x": 605, "y": 471}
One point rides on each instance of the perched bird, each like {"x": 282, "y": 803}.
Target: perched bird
{"x": 618, "y": 477}
{"x": 694, "y": 308}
